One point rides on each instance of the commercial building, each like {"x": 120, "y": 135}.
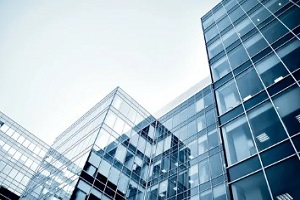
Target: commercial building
{"x": 253, "y": 49}
{"x": 237, "y": 137}
{"x": 20, "y": 155}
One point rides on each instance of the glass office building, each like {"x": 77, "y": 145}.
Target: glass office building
{"x": 237, "y": 137}
{"x": 104, "y": 155}
{"x": 20, "y": 155}
{"x": 253, "y": 49}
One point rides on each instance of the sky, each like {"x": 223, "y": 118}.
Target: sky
{"x": 59, "y": 58}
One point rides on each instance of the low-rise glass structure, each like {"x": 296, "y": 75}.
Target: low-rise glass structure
{"x": 20, "y": 155}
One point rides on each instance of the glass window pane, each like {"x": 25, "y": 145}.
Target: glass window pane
{"x": 270, "y": 131}
{"x": 225, "y": 22}
{"x": 199, "y": 105}
{"x": 248, "y": 84}
{"x": 227, "y": 97}
{"x": 245, "y": 189}
{"x": 216, "y": 165}
{"x": 274, "y": 31}
{"x": 291, "y": 17}
{"x": 219, "y": 192}
{"x": 200, "y": 123}
{"x": 204, "y": 171}
{"x": 289, "y": 54}
{"x": 211, "y": 33}
{"x": 193, "y": 175}
{"x": 249, "y": 4}
{"x": 215, "y": 48}
{"x": 229, "y": 37}
{"x": 274, "y": 5}
{"x": 244, "y": 27}
{"x": 260, "y": 15}
{"x": 288, "y": 107}
{"x": 193, "y": 149}
{"x": 285, "y": 172}
{"x": 210, "y": 117}
{"x": 236, "y": 14}
{"x": 237, "y": 56}
{"x": 202, "y": 144}
{"x": 255, "y": 44}
{"x": 220, "y": 68}
{"x": 270, "y": 69}
{"x": 238, "y": 140}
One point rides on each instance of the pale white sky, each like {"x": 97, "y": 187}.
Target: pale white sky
{"x": 59, "y": 58}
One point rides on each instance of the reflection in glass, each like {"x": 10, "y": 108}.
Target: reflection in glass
{"x": 237, "y": 56}
{"x": 202, "y": 144}
{"x": 227, "y": 97}
{"x": 238, "y": 140}
{"x": 220, "y": 68}
{"x": 248, "y": 84}
{"x": 246, "y": 190}
{"x": 286, "y": 173}
{"x": 288, "y": 107}
{"x": 204, "y": 172}
{"x": 270, "y": 69}
{"x": 266, "y": 126}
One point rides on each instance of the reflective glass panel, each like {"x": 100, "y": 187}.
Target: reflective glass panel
{"x": 227, "y": 97}
{"x": 238, "y": 140}
{"x": 266, "y": 126}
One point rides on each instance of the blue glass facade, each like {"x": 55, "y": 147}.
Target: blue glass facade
{"x": 237, "y": 137}
{"x": 253, "y": 49}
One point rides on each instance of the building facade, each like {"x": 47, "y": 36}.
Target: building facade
{"x": 253, "y": 50}
{"x": 237, "y": 137}
{"x": 20, "y": 155}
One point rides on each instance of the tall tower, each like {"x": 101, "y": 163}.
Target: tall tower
{"x": 254, "y": 56}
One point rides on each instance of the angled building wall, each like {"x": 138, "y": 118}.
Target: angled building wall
{"x": 253, "y": 49}
{"x": 20, "y": 155}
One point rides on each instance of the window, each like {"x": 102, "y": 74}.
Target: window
{"x": 238, "y": 140}
{"x": 244, "y": 27}
{"x": 202, "y": 144}
{"x": 289, "y": 54}
{"x": 199, "y": 105}
{"x": 291, "y": 17}
{"x": 270, "y": 131}
{"x": 200, "y": 123}
{"x": 255, "y": 44}
{"x": 248, "y": 84}
{"x": 227, "y": 97}
{"x": 193, "y": 176}
{"x": 211, "y": 33}
{"x": 245, "y": 189}
{"x": 248, "y": 5}
{"x": 288, "y": 106}
{"x": 216, "y": 165}
{"x": 193, "y": 149}
{"x": 220, "y": 68}
{"x": 219, "y": 192}
{"x": 260, "y": 15}
{"x": 285, "y": 172}
{"x": 204, "y": 171}
{"x": 270, "y": 69}
{"x": 120, "y": 153}
{"x": 274, "y": 31}
{"x": 215, "y": 48}
{"x": 225, "y": 22}
{"x": 229, "y": 37}
{"x": 236, "y": 14}
{"x": 210, "y": 117}
{"x": 237, "y": 56}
